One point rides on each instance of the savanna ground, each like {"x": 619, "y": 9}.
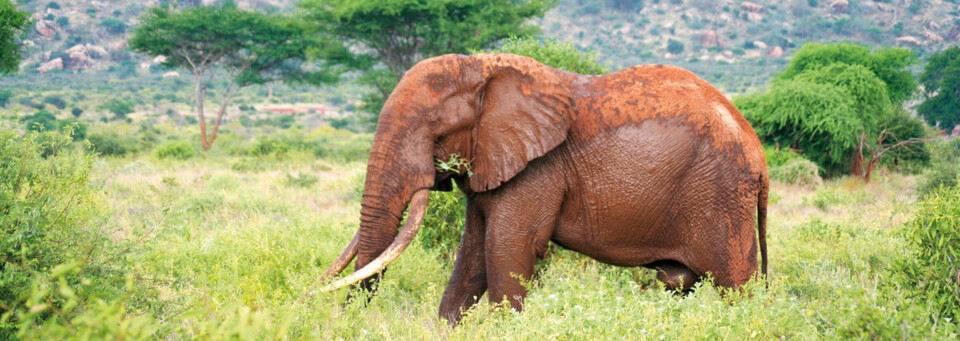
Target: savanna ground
{"x": 225, "y": 243}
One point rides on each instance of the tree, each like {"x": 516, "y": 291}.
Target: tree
{"x": 384, "y": 38}
{"x": 890, "y": 64}
{"x": 13, "y": 24}
{"x": 118, "y": 107}
{"x": 550, "y": 52}
{"x": 941, "y": 83}
{"x": 249, "y": 48}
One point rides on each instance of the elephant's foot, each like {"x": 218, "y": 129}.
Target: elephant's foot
{"x": 675, "y": 275}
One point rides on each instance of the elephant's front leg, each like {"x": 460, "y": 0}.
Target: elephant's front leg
{"x": 469, "y": 278}
{"x": 515, "y": 240}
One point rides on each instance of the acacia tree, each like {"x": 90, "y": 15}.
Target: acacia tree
{"x": 941, "y": 82}
{"x": 384, "y": 38}
{"x": 12, "y": 28}
{"x": 246, "y": 47}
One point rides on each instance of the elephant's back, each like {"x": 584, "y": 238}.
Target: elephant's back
{"x": 663, "y": 92}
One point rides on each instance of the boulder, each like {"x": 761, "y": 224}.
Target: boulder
{"x": 97, "y": 51}
{"x": 775, "y": 52}
{"x": 77, "y": 48}
{"x": 120, "y": 45}
{"x": 754, "y": 17}
{"x": 159, "y": 59}
{"x": 839, "y": 6}
{"x": 932, "y": 37}
{"x": 46, "y": 29}
{"x": 53, "y": 64}
{"x": 45, "y": 57}
{"x": 760, "y": 45}
{"x": 954, "y": 34}
{"x": 751, "y": 7}
{"x": 709, "y": 39}
{"x": 909, "y": 40}
{"x": 956, "y": 131}
{"x": 78, "y": 60}
{"x": 171, "y": 74}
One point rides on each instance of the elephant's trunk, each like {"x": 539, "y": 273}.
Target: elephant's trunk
{"x": 418, "y": 206}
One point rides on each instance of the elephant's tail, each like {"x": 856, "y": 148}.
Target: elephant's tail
{"x": 762, "y": 220}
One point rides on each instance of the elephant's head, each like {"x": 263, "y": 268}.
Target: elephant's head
{"x": 499, "y": 111}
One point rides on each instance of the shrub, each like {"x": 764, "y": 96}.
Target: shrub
{"x": 791, "y": 167}
{"x": 118, "y": 107}
{"x": 674, "y": 46}
{"x": 76, "y": 112}
{"x": 180, "y": 150}
{"x": 56, "y": 101}
{"x": 41, "y": 121}
{"x": 48, "y": 217}
{"x": 944, "y": 170}
{"x": 941, "y": 82}
{"x": 269, "y": 146}
{"x": 5, "y": 96}
{"x": 114, "y": 25}
{"x": 934, "y": 271}
{"x": 112, "y": 144}
{"x": 443, "y": 222}
{"x": 74, "y": 128}
{"x": 889, "y": 64}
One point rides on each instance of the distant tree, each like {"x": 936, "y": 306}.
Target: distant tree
{"x": 674, "y": 46}
{"x": 114, "y": 25}
{"x": 76, "y": 112}
{"x": 56, "y": 101}
{"x": 53, "y": 5}
{"x": 13, "y": 24}
{"x": 941, "y": 83}
{"x": 41, "y": 121}
{"x": 250, "y": 48}
{"x": 118, "y": 107}
{"x": 384, "y": 38}
{"x": 5, "y": 96}
{"x": 63, "y": 22}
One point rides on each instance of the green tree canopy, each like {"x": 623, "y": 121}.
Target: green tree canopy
{"x": 889, "y": 64}
{"x": 251, "y": 48}
{"x": 816, "y": 119}
{"x": 13, "y": 24}
{"x": 941, "y": 82}
{"x": 870, "y": 100}
{"x": 550, "y": 52}
{"x": 384, "y": 38}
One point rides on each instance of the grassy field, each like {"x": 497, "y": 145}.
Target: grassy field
{"x": 224, "y": 244}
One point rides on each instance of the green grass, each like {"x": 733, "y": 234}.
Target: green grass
{"x": 222, "y": 252}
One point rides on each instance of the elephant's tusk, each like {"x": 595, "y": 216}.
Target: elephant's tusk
{"x": 418, "y": 206}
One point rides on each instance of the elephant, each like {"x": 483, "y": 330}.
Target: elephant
{"x": 647, "y": 166}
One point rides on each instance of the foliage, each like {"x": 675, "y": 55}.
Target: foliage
{"x": 13, "y": 28}
{"x": 118, "y": 107}
{"x": 49, "y": 217}
{"x": 934, "y": 271}
{"x": 443, "y": 223}
{"x": 269, "y": 146}
{"x": 252, "y": 47}
{"x": 180, "y": 150}
{"x": 941, "y": 82}
{"x": 384, "y": 38}
{"x": 553, "y": 53}
{"x": 55, "y": 101}
{"x": 76, "y": 112}
{"x": 304, "y": 180}
{"x": 5, "y": 96}
{"x": 114, "y": 25}
{"x": 816, "y": 119}
{"x": 674, "y": 46}
{"x": 42, "y": 120}
{"x": 871, "y": 103}
{"x": 110, "y": 143}
{"x": 944, "y": 171}
{"x": 889, "y": 64}
{"x": 790, "y": 167}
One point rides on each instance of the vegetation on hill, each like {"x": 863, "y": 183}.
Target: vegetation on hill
{"x": 941, "y": 83}
{"x": 13, "y": 24}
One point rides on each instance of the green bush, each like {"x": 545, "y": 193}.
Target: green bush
{"x": 48, "y": 216}
{"x": 41, "y": 121}
{"x": 443, "y": 222}
{"x": 674, "y": 46}
{"x": 550, "y": 52}
{"x": 945, "y": 167}
{"x": 934, "y": 271}
{"x": 180, "y": 150}
{"x": 112, "y": 144}
{"x": 941, "y": 82}
{"x": 269, "y": 146}
{"x": 55, "y": 101}
{"x": 797, "y": 171}
{"x": 76, "y": 112}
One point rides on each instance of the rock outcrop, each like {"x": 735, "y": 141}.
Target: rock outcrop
{"x": 751, "y": 7}
{"x": 909, "y": 40}
{"x": 931, "y": 37}
{"x": 840, "y": 6}
{"x": 775, "y": 52}
{"x": 97, "y": 52}
{"x": 46, "y": 29}
{"x": 709, "y": 39}
{"x": 171, "y": 74}
{"x": 53, "y": 64}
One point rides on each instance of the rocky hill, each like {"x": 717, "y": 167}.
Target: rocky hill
{"x": 735, "y": 44}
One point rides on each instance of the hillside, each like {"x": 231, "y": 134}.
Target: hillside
{"x": 735, "y": 45}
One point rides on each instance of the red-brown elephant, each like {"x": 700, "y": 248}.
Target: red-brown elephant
{"x": 648, "y": 166}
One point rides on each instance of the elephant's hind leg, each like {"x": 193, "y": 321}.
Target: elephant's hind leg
{"x": 469, "y": 278}
{"x": 675, "y": 275}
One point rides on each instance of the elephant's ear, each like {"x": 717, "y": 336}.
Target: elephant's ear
{"x": 525, "y": 112}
